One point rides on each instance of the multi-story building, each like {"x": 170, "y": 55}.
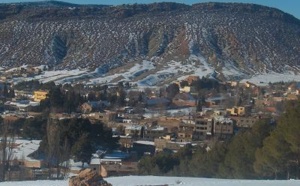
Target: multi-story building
{"x": 222, "y": 127}
{"x": 203, "y": 128}
{"x": 185, "y": 132}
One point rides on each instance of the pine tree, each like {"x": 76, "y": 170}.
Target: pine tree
{"x": 280, "y": 154}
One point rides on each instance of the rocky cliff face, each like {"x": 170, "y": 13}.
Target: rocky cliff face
{"x": 246, "y": 37}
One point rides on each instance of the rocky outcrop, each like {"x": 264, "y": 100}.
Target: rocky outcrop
{"x": 88, "y": 177}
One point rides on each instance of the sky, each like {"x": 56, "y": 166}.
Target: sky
{"x": 288, "y": 6}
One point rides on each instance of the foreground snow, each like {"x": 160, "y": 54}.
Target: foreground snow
{"x": 156, "y": 180}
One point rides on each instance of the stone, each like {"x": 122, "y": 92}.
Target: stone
{"x": 88, "y": 177}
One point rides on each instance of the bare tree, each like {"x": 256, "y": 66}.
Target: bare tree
{"x": 53, "y": 146}
{"x": 7, "y": 143}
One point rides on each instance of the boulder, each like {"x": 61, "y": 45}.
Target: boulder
{"x": 88, "y": 177}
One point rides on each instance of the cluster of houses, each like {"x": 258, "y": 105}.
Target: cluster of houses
{"x": 141, "y": 135}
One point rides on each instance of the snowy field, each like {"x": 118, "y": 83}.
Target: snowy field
{"x": 170, "y": 181}
{"x": 264, "y": 79}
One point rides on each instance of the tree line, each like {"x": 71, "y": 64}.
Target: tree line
{"x": 75, "y": 138}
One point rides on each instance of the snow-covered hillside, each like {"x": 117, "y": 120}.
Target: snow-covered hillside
{"x": 171, "y": 181}
{"x": 151, "y": 72}
{"x": 234, "y": 39}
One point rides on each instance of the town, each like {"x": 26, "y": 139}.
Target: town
{"x": 137, "y": 122}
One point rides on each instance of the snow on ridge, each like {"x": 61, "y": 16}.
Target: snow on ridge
{"x": 158, "y": 73}
{"x": 230, "y": 70}
{"x": 135, "y": 71}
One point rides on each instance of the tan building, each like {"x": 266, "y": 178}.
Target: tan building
{"x": 236, "y": 111}
{"x": 113, "y": 167}
{"x": 161, "y": 144}
{"x": 39, "y": 95}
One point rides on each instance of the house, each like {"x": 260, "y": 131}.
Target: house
{"x": 39, "y": 95}
{"x": 184, "y": 100}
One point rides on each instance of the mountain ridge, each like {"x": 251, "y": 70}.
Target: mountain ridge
{"x": 249, "y": 38}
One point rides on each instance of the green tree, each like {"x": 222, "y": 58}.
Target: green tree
{"x": 34, "y": 128}
{"x": 77, "y": 136}
{"x": 82, "y": 149}
{"x": 280, "y": 153}
{"x": 172, "y": 90}
{"x": 240, "y": 157}
{"x": 146, "y": 165}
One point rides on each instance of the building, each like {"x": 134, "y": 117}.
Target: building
{"x": 162, "y": 144}
{"x": 185, "y": 132}
{"x": 143, "y": 148}
{"x": 133, "y": 130}
{"x": 222, "y": 127}
{"x": 244, "y": 122}
{"x": 236, "y": 111}
{"x": 113, "y": 167}
{"x": 203, "y": 128}
{"x": 154, "y": 132}
{"x": 39, "y": 95}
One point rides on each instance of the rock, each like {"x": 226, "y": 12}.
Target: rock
{"x": 88, "y": 177}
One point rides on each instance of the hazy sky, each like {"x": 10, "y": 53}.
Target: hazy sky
{"x": 289, "y": 6}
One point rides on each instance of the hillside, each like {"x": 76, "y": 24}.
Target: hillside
{"x": 231, "y": 41}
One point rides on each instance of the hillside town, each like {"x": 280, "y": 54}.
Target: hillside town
{"x": 196, "y": 111}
